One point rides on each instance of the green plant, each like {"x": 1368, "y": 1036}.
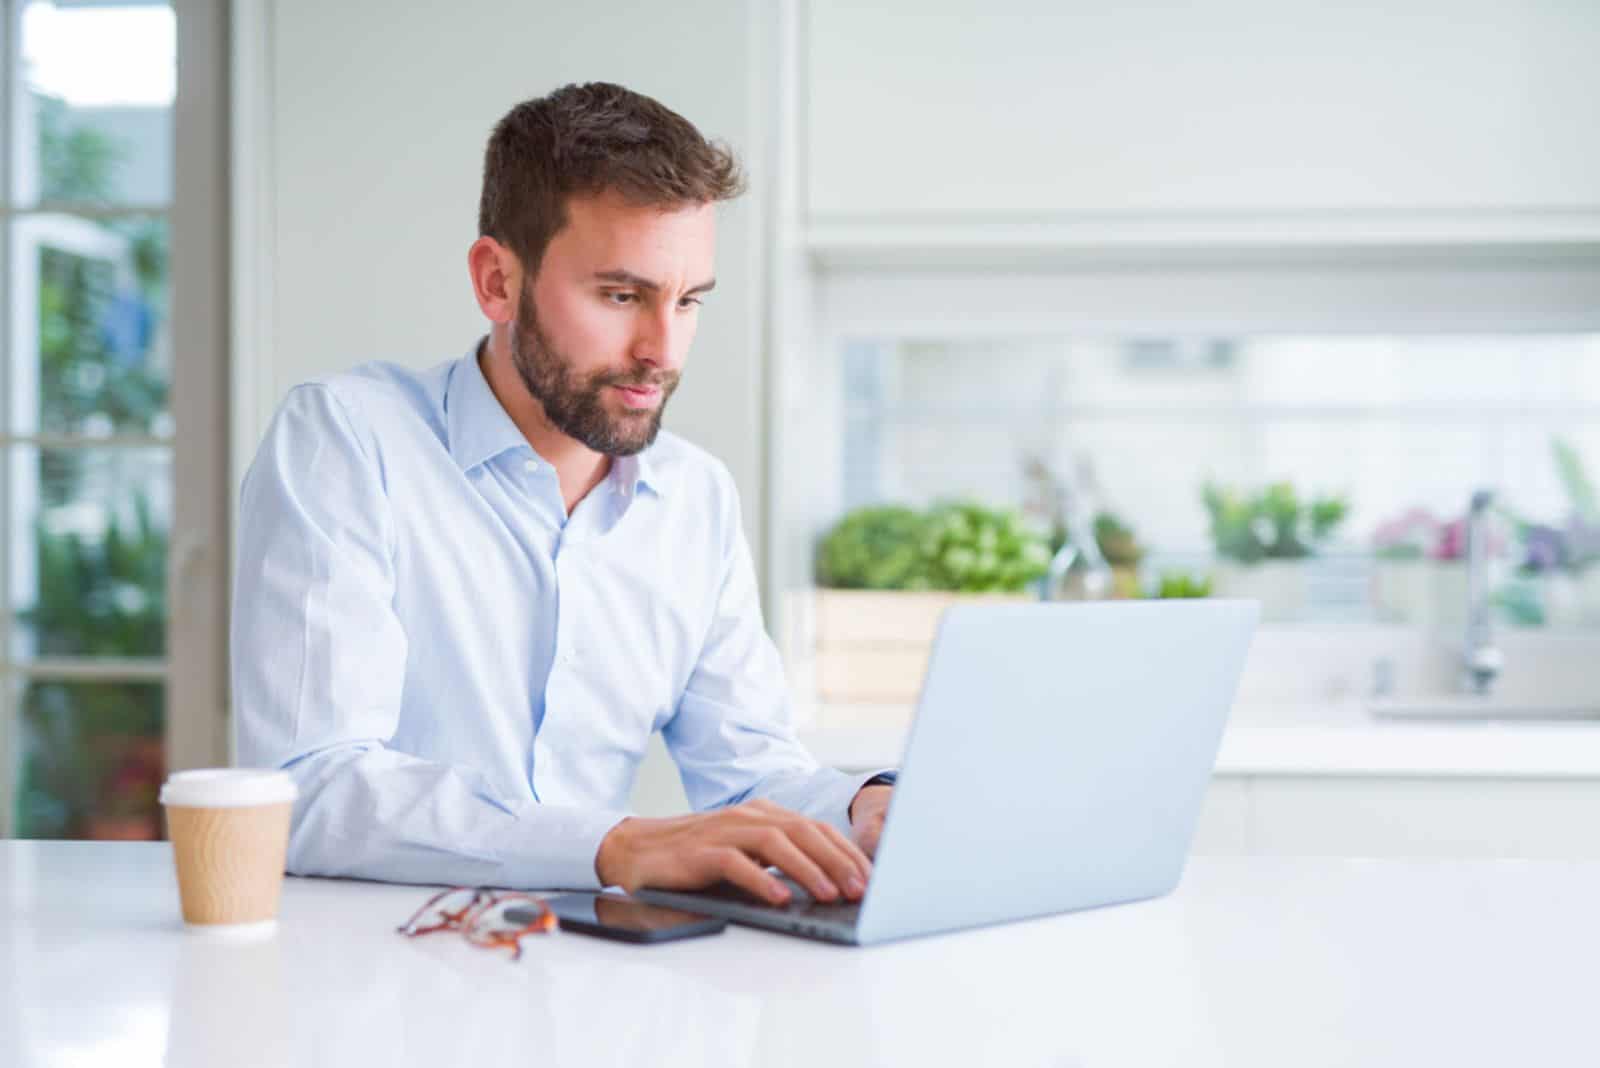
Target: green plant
{"x": 90, "y": 750}
{"x": 874, "y": 548}
{"x": 959, "y": 546}
{"x": 76, "y": 163}
{"x": 974, "y": 549}
{"x": 1580, "y": 489}
{"x": 1271, "y": 524}
{"x": 1116, "y": 540}
{"x": 88, "y": 746}
{"x": 104, "y": 596}
{"x": 1179, "y": 584}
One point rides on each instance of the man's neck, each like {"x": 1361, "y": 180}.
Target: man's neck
{"x": 579, "y": 468}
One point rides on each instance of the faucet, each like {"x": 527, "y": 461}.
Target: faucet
{"x": 1068, "y": 507}
{"x": 1096, "y": 579}
{"x": 1080, "y": 544}
{"x": 1481, "y": 661}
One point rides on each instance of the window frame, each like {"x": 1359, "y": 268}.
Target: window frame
{"x": 194, "y": 670}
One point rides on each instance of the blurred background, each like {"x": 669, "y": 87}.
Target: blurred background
{"x": 1027, "y": 299}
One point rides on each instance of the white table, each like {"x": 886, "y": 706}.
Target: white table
{"x": 1252, "y": 961}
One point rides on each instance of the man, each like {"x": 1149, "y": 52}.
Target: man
{"x": 466, "y": 597}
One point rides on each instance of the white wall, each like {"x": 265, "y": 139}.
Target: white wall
{"x": 363, "y": 127}
{"x": 1040, "y": 109}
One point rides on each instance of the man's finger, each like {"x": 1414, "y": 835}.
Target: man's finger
{"x": 862, "y": 861}
{"x": 774, "y": 846}
{"x": 737, "y": 868}
{"x": 839, "y": 862}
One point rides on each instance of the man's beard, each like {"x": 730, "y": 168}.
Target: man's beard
{"x": 575, "y": 408}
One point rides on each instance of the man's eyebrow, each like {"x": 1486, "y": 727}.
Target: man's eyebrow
{"x": 628, "y": 278}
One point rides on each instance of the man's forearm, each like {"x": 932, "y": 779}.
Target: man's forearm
{"x": 374, "y": 813}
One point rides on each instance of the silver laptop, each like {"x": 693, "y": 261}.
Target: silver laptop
{"x": 1058, "y": 759}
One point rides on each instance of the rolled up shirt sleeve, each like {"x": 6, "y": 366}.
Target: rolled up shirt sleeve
{"x": 732, "y": 733}
{"x": 318, "y": 666}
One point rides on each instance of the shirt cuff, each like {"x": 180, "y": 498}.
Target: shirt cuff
{"x": 859, "y": 783}
{"x": 554, "y": 848}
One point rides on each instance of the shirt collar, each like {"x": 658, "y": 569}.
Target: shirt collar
{"x": 478, "y": 426}
{"x": 629, "y": 473}
{"x": 480, "y": 429}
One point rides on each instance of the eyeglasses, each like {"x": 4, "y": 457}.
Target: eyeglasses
{"x": 479, "y": 914}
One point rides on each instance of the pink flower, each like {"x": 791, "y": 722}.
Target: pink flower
{"x": 1452, "y": 543}
{"x": 1408, "y": 534}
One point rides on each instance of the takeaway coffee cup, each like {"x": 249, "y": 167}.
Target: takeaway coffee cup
{"x": 230, "y": 833}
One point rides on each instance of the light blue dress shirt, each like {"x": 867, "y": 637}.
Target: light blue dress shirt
{"x": 461, "y": 677}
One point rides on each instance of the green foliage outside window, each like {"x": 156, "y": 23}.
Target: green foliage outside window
{"x": 75, "y": 163}
{"x": 92, "y": 752}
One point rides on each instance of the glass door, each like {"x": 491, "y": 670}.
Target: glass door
{"x": 86, "y": 415}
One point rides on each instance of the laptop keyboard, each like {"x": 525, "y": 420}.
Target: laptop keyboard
{"x": 801, "y": 904}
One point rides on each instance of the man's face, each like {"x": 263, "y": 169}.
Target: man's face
{"x": 602, "y": 329}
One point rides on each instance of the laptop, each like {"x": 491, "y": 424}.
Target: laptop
{"x": 1057, "y": 761}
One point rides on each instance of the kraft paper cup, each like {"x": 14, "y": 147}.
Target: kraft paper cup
{"x": 230, "y": 835}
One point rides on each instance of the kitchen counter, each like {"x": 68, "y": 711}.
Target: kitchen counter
{"x": 1488, "y": 749}
{"x": 1252, "y": 961}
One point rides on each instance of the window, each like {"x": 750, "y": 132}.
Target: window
{"x": 1395, "y": 379}
{"x": 1400, "y": 429}
{"x": 93, "y": 209}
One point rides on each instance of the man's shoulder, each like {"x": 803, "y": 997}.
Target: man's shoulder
{"x": 381, "y": 392}
{"x": 381, "y": 404}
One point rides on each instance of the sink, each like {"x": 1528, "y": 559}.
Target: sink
{"x": 1366, "y": 675}
{"x": 1470, "y": 707}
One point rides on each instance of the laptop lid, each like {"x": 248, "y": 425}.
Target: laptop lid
{"x": 1058, "y": 760}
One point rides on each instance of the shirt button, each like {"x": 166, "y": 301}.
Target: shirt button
{"x": 530, "y": 466}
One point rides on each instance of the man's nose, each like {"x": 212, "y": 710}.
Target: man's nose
{"x": 663, "y": 337}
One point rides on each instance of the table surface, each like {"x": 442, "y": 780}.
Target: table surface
{"x": 1252, "y": 961}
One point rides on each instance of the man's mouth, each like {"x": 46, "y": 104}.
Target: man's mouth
{"x": 639, "y": 396}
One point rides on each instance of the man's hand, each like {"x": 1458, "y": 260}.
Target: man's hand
{"x": 866, "y": 816}
{"x": 736, "y": 844}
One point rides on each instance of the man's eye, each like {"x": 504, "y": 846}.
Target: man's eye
{"x": 687, "y": 302}
{"x": 620, "y": 297}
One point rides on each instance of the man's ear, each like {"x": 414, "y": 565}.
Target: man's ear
{"x": 496, "y": 279}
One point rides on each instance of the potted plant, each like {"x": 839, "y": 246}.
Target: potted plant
{"x": 1556, "y": 580}
{"x": 886, "y": 574}
{"x": 1581, "y": 534}
{"x": 1181, "y": 584}
{"x": 1262, "y": 539}
{"x": 1558, "y": 565}
{"x": 1121, "y": 549}
{"x": 1403, "y": 550}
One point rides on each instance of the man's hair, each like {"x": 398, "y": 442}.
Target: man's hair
{"x": 583, "y": 140}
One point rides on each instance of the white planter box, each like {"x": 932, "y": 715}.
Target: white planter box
{"x": 1571, "y": 600}
{"x": 1399, "y": 589}
{"x": 1424, "y": 593}
{"x": 1588, "y": 582}
{"x": 1280, "y": 586}
{"x": 872, "y": 646}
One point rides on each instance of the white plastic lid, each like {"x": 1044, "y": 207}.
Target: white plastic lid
{"x": 227, "y": 788}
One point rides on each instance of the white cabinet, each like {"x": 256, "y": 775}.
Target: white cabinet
{"x": 1400, "y": 816}
{"x": 1443, "y": 792}
{"x": 1147, "y": 115}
